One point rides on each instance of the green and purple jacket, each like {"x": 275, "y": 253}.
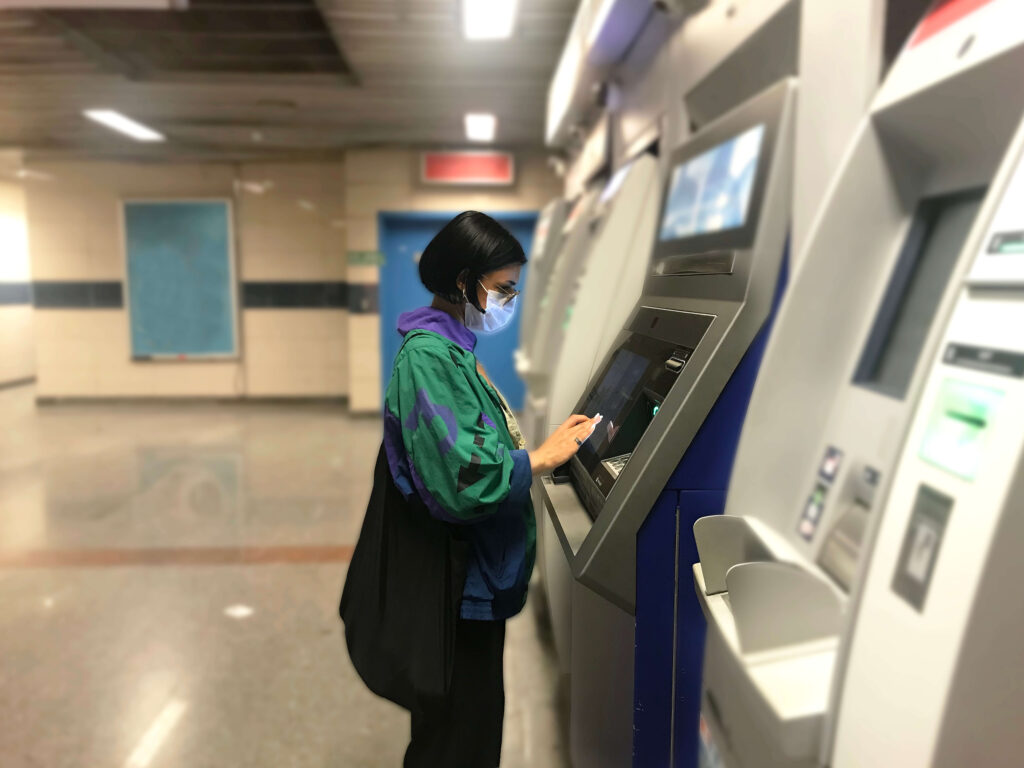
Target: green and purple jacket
{"x": 448, "y": 443}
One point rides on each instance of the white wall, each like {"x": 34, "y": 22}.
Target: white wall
{"x": 294, "y": 223}
{"x": 75, "y": 230}
{"x": 286, "y": 234}
{"x": 17, "y": 355}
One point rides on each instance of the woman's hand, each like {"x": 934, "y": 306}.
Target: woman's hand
{"x": 563, "y": 443}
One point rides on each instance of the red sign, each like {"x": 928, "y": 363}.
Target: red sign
{"x": 945, "y": 13}
{"x": 468, "y": 168}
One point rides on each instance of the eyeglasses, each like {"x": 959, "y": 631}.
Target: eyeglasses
{"x": 507, "y": 293}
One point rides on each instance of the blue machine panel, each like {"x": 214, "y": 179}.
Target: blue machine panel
{"x": 670, "y": 626}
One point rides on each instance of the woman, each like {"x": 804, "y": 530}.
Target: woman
{"x": 452, "y": 441}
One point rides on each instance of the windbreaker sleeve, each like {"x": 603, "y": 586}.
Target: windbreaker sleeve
{"x": 459, "y": 464}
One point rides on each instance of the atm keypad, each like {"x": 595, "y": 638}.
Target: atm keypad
{"x": 616, "y": 464}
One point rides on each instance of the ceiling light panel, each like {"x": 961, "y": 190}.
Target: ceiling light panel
{"x": 481, "y": 126}
{"x": 115, "y": 121}
{"x": 489, "y": 19}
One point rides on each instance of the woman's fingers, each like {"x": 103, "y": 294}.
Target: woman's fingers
{"x": 585, "y": 430}
{"x": 572, "y": 421}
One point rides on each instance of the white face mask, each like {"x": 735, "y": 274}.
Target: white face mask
{"x": 500, "y": 310}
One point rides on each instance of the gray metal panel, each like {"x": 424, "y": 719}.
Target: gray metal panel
{"x": 837, "y": 83}
{"x": 773, "y": 47}
{"x": 601, "y": 735}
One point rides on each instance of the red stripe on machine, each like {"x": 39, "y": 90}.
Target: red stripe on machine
{"x": 945, "y": 13}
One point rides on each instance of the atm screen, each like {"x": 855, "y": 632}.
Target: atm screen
{"x": 711, "y": 192}
{"x": 923, "y": 270}
{"x": 613, "y": 393}
{"x": 633, "y": 383}
{"x": 628, "y": 394}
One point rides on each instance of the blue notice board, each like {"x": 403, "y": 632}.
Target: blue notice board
{"x": 181, "y": 284}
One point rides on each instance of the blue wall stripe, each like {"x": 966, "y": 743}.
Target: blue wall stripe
{"x": 51, "y": 294}
{"x": 15, "y": 293}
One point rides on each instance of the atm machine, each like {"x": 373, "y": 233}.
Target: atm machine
{"x": 782, "y": 572}
{"x": 603, "y": 265}
{"x": 573, "y": 240}
{"x": 673, "y": 390}
{"x": 547, "y": 243}
{"x": 591, "y": 289}
{"x": 937, "y": 645}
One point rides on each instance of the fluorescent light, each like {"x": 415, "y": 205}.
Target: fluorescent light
{"x": 489, "y": 19}
{"x": 238, "y": 611}
{"x": 481, "y": 126}
{"x": 118, "y": 122}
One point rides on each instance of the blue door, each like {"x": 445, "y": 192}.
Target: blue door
{"x": 403, "y": 236}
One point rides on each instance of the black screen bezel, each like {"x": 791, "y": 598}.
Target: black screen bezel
{"x": 682, "y": 330}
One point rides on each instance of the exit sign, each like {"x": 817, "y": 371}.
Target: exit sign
{"x": 491, "y": 169}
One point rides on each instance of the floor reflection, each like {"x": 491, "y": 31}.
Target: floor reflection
{"x": 129, "y": 537}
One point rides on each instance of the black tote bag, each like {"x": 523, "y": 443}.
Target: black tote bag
{"x": 400, "y": 603}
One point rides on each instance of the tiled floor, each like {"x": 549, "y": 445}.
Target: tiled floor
{"x": 168, "y": 585}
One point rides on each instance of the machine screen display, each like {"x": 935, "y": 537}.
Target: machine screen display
{"x": 628, "y": 395}
{"x": 711, "y": 192}
{"x": 958, "y": 426}
{"x": 611, "y": 396}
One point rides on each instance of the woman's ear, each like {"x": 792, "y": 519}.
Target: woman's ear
{"x": 460, "y": 282}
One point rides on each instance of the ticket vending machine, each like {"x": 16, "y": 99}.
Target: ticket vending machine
{"x": 673, "y": 390}
{"x": 780, "y": 573}
{"x": 936, "y": 650}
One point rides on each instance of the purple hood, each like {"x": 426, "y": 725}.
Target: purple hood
{"x": 438, "y": 321}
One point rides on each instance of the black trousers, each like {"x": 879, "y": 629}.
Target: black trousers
{"x": 463, "y": 728}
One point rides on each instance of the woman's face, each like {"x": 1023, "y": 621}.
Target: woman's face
{"x": 503, "y": 280}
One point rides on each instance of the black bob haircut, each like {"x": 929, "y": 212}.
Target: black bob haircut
{"x": 467, "y": 248}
